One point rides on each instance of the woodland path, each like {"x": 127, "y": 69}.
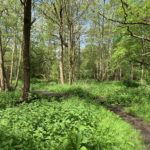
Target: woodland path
{"x": 135, "y": 121}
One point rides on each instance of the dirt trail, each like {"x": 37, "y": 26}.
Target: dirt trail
{"x": 138, "y": 123}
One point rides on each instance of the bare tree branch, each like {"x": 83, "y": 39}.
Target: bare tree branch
{"x": 137, "y": 36}
{"x": 22, "y": 2}
{"x": 123, "y": 22}
{"x": 32, "y": 22}
{"x": 124, "y": 10}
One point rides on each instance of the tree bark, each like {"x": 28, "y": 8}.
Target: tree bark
{"x": 142, "y": 64}
{"x": 2, "y": 81}
{"x": 142, "y": 73}
{"x": 26, "y": 49}
{"x": 102, "y": 47}
{"x": 18, "y": 69}
{"x": 131, "y": 72}
{"x": 61, "y": 62}
{"x": 4, "y": 85}
{"x": 12, "y": 61}
{"x": 71, "y": 54}
{"x": 79, "y": 58}
{"x": 120, "y": 73}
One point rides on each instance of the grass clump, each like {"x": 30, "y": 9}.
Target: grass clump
{"x": 141, "y": 110}
{"x": 70, "y": 125}
{"x": 8, "y": 99}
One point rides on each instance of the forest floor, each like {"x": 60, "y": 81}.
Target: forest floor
{"x": 121, "y": 116}
{"x": 135, "y": 121}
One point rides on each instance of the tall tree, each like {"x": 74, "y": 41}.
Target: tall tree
{"x": 26, "y": 48}
{"x": 3, "y": 79}
{"x": 4, "y": 84}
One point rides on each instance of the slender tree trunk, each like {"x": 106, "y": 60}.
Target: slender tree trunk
{"x": 12, "y": 61}
{"x": 99, "y": 63}
{"x": 97, "y": 70}
{"x": 132, "y": 72}
{"x": 2, "y": 80}
{"x": 120, "y": 74}
{"x": 100, "y": 68}
{"x": 11, "y": 67}
{"x": 61, "y": 61}
{"x": 116, "y": 75}
{"x": 26, "y": 49}
{"x": 18, "y": 69}
{"x": 71, "y": 70}
{"x": 79, "y": 58}
{"x": 103, "y": 46}
{"x": 61, "y": 66}
{"x": 142, "y": 64}
{"x": 4, "y": 85}
{"x": 142, "y": 73}
{"x": 71, "y": 49}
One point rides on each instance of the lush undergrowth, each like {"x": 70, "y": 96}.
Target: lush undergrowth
{"x": 70, "y": 125}
{"x": 112, "y": 92}
{"x": 75, "y": 123}
{"x": 8, "y": 99}
{"x": 132, "y": 95}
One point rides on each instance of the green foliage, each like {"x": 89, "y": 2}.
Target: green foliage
{"x": 70, "y": 125}
{"x": 141, "y": 110}
{"x": 125, "y": 93}
{"x": 73, "y": 123}
{"x": 129, "y": 83}
{"x": 8, "y": 99}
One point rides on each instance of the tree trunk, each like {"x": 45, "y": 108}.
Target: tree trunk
{"x": 26, "y": 49}
{"x": 142, "y": 73}
{"x": 116, "y": 75}
{"x": 12, "y": 61}
{"x": 120, "y": 74}
{"x": 142, "y": 64}
{"x": 61, "y": 61}
{"x": 103, "y": 46}
{"x": 71, "y": 54}
{"x": 97, "y": 70}
{"x": 18, "y": 69}
{"x": 2, "y": 80}
{"x": 61, "y": 66}
{"x": 131, "y": 72}
{"x": 4, "y": 85}
{"x": 79, "y": 59}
